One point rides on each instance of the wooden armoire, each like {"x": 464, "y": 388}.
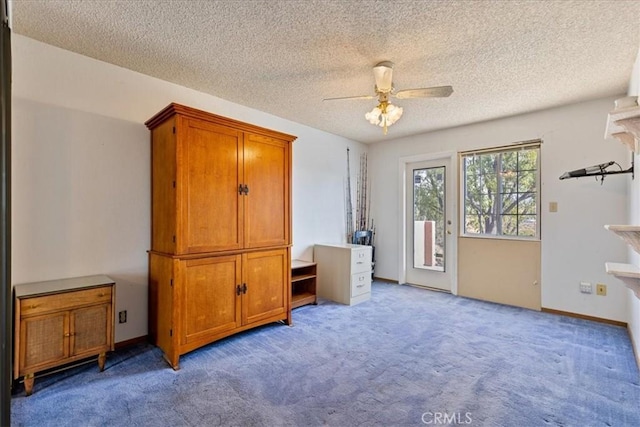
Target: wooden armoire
{"x": 220, "y": 228}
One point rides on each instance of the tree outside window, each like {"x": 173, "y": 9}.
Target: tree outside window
{"x": 501, "y": 192}
{"x": 429, "y": 205}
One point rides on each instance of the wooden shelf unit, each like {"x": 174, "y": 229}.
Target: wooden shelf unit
{"x": 303, "y": 283}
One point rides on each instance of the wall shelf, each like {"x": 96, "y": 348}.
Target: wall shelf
{"x": 628, "y": 273}
{"x": 629, "y": 233}
{"x": 624, "y": 125}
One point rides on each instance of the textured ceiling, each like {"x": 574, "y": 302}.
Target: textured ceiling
{"x": 283, "y": 57}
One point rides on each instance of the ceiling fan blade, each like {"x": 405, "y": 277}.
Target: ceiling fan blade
{"x": 351, "y": 97}
{"x": 383, "y": 73}
{"x": 427, "y": 92}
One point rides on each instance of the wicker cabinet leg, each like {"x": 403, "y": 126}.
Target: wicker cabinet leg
{"x": 102, "y": 358}
{"x": 28, "y": 384}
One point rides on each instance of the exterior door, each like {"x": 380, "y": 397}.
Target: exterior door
{"x": 429, "y": 224}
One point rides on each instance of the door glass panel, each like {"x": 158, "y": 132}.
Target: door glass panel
{"x": 429, "y": 218}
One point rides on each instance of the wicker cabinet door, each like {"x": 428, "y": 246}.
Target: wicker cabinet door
{"x": 210, "y": 176}
{"x": 210, "y": 297}
{"x": 90, "y": 329}
{"x": 44, "y": 341}
{"x": 266, "y": 275}
{"x": 266, "y": 173}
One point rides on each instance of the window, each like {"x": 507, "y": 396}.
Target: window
{"x": 501, "y": 192}
{"x": 429, "y": 206}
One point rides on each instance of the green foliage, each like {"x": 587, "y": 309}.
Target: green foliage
{"x": 500, "y": 193}
{"x": 429, "y": 200}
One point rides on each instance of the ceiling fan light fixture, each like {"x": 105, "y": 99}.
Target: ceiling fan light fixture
{"x": 394, "y": 112}
{"x": 383, "y": 72}
{"x": 373, "y": 116}
{"x": 384, "y": 115}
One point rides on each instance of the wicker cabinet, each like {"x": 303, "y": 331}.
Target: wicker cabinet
{"x": 62, "y": 321}
{"x": 221, "y": 228}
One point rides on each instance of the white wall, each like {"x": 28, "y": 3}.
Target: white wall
{"x": 575, "y": 244}
{"x": 81, "y": 182}
{"x": 634, "y": 218}
{"x": 633, "y": 319}
{"x": 81, "y": 185}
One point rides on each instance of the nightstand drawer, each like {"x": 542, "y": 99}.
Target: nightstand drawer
{"x": 65, "y": 300}
{"x": 360, "y": 283}
{"x": 360, "y": 260}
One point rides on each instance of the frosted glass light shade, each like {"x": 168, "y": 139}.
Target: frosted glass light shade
{"x": 384, "y": 115}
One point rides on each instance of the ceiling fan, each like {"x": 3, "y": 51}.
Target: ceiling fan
{"x": 385, "y": 114}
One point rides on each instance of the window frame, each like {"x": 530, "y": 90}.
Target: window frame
{"x": 526, "y": 145}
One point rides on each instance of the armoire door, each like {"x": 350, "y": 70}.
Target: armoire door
{"x": 266, "y": 174}
{"x": 210, "y": 297}
{"x": 163, "y": 188}
{"x": 210, "y": 199}
{"x": 266, "y": 276}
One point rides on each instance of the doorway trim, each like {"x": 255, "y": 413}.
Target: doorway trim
{"x": 6, "y": 303}
{"x": 452, "y": 179}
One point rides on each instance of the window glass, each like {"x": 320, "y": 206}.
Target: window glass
{"x": 500, "y": 193}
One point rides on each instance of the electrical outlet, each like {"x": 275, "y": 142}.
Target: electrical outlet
{"x": 601, "y": 289}
{"x": 585, "y": 288}
{"x": 122, "y": 316}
